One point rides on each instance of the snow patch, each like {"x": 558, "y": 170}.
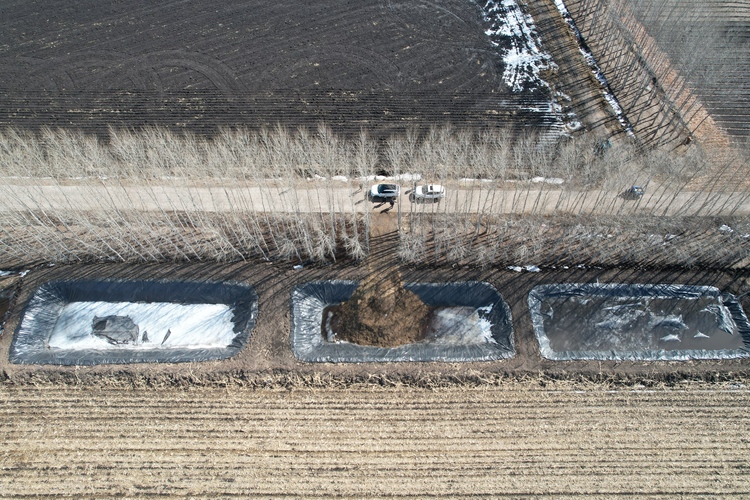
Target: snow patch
{"x": 595, "y": 69}
{"x": 470, "y": 180}
{"x": 408, "y": 177}
{"x": 459, "y": 326}
{"x": 400, "y": 177}
{"x": 514, "y": 33}
{"x": 547, "y": 180}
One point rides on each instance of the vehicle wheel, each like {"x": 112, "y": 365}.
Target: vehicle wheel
{"x": 412, "y": 198}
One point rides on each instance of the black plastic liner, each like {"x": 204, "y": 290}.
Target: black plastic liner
{"x": 310, "y": 299}
{"x": 30, "y": 344}
{"x": 6, "y": 296}
{"x": 638, "y": 322}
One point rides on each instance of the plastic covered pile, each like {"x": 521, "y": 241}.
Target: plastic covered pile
{"x": 90, "y": 322}
{"x": 637, "y": 322}
{"x": 456, "y": 345}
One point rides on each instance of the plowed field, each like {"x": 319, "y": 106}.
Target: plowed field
{"x": 508, "y": 441}
{"x": 380, "y": 65}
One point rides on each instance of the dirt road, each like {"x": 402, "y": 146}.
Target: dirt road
{"x": 517, "y": 439}
{"x": 312, "y": 196}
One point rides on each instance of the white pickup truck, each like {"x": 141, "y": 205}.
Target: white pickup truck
{"x": 430, "y": 192}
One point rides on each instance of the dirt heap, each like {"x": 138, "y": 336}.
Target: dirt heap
{"x": 382, "y": 313}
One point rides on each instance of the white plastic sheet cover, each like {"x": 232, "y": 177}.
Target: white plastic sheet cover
{"x": 310, "y": 299}
{"x": 177, "y": 322}
{"x": 637, "y": 322}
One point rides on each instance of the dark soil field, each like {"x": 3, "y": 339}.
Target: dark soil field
{"x": 378, "y": 65}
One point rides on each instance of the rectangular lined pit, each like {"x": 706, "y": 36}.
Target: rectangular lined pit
{"x": 637, "y": 322}
{"x": 91, "y": 322}
{"x": 310, "y": 300}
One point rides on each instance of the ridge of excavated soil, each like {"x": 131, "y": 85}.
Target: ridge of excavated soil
{"x": 382, "y": 313}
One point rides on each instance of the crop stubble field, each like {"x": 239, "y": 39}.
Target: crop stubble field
{"x": 512, "y": 440}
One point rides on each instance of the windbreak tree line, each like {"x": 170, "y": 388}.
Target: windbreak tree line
{"x": 155, "y": 196}
{"x": 655, "y": 56}
{"x": 133, "y": 213}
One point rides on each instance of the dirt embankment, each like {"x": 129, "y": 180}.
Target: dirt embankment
{"x": 382, "y": 313}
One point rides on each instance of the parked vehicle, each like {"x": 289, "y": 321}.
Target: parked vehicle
{"x": 431, "y": 192}
{"x": 634, "y": 193}
{"x": 381, "y": 193}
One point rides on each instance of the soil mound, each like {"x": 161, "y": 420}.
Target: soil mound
{"x": 381, "y": 312}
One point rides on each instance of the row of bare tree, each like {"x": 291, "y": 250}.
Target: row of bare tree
{"x": 529, "y": 202}
{"x": 144, "y": 165}
{"x": 654, "y": 81}
{"x": 511, "y": 200}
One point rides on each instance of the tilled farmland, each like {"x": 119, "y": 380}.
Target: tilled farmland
{"x": 188, "y": 65}
{"x": 515, "y": 439}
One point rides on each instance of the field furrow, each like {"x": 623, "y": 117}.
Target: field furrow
{"x": 512, "y": 440}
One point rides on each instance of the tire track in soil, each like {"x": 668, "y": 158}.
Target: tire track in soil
{"x": 573, "y": 77}
{"x": 381, "y": 112}
{"x": 516, "y": 439}
{"x": 188, "y": 65}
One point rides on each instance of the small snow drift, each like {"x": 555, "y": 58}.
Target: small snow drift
{"x": 460, "y": 326}
{"x": 97, "y": 322}
{"x": 637, "y": 322}
{"x": 470, "y": 322}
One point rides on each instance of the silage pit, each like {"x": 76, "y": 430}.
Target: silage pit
{"x": 91, "y": 322}
{"x": 470, "y": 322}
{"x": 638, "y": 322}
